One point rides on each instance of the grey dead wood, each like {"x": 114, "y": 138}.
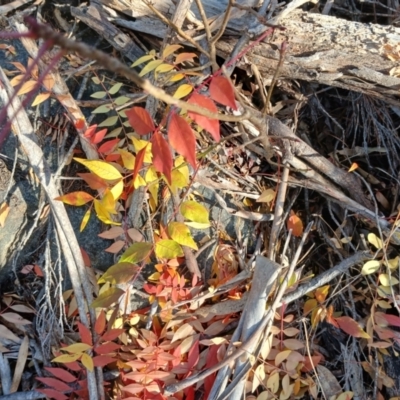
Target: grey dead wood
{"x": 73, "y": 257}
{"x": 322, "y": 48}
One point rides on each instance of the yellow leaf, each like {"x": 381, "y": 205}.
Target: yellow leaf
{"x": 102, "y": 169}
{"x": 27, "y": 87}
{"x": 139, "y": 145}
{"x": 16, "y": 80}
{"x": 117, "y": 190}
{"x": 194, "y": 212}
{"x": 375, "y": 241}
{"x": 103, "y": 214}
{"x": 168, "y": 249}
{"x": 152, "y": 65}
{"x": 198, "y": 225}
{"x": 66, "y": 358}
{"x": 136, "y": 253}
{"x": 87, "y": 361}
{"x": 181, "y": 234}
{"x": 40, "y": 98}
{"x": 176, "y": 77}
{"x": 170, "y": 49}
{"x": 85, "y": 220}
{"x": 142, "y": 59}
{"x": 139, "y": 181}
{"x": 266, "y": 196}
{"x": 128, "y": 159}
{"x": 164, "y": 68}
{"x": 4, "y": 210}
{"x": 183, "y": 91}
{"x": 108, "y": 202}
{"x": 370, "y": 267}
{"x": 151, "y": 174}
{"x": 77, "y": 348}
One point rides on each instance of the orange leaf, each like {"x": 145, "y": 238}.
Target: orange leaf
{"x": 90, "y": 131}
{"x": 321, "y": 293}
{"x": 182, "y": 139}
{"x": 210, "y": 125}
{"x": 353, "y": 167}
{"x": 75, "y": 198}
{"x": 295, "y": 224}
{"x": 140, "y": 120}
{"x": 221, "y": 91}
{"x": 162, "y": 158}
{"x": 27, "y": 87}
{"x": 80, "y": 124}
{"x": 94, "y": 181}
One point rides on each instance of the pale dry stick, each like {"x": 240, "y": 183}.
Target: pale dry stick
{"x": 279, "y": 208}
{"x": 310, "y": 358}
{"x": 224, "y": 24}
{"x": 327, "y": 276}
{"x": 246, "y": 346}
{"x": 211, "y": 44}
{"x": 71, "y": 250}
{"x": 178, "y": 30}
{"x": 235, "y": 391}
{"x": 118, "y": 67}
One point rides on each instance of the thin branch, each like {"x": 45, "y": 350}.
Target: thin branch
{"x": 116, "y": 66}
{"x": 178, "y": 30}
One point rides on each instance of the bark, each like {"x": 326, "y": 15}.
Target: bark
{"x": 323, "y": 49}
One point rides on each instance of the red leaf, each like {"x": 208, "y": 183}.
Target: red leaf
{"x": 38, "y": 270}
{"x": 80, "y": 124}
{"x": 54, "y": 383}
{"x": 139, "y": 162}
{"x": 392, "y": 319}
{"x": 73, "y": 366}
{"x": 90, "y": 131}
{"x": 162, "y": 158}
{"x": 85, "y": 334}
{"x": 52, "y": 394}
{"x": 182, "y": 139}
{"x": 140, "y": 120}
{"x": 350, "y": 326}
{"x": 210, "y": 125}
{"x": 108, "y": 146}
{"x": 101, "y": 361}
{"x": 221, "y": 91}
{"x": 112, "y": 334}
{"x": 193, "y": 355}
{"x": 100, "y": 324}
{"x": 98, "y": 136}
{"x": 107, "y": 348}
{"x": 61, "y": 374}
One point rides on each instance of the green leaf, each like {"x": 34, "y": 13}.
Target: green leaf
{"x": 98, "y": 95}
{"x": 142, "y": 60}
{"x": 150, "y": 67}
{"x": 96, "y": 80}
{"x": 107, "y": 298}
{"x": 194, "y": 212}
{"x": 136, "y": 252}
{"x": 168, "y": 249}
{"x": 105, "y": 108}
{"x": 119, "y": 273}
{"x": 119, "y": 101}
{"x": 181, "y": 234}
{"x": 115, "y": 88}
{"x": 110, "y": 121}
